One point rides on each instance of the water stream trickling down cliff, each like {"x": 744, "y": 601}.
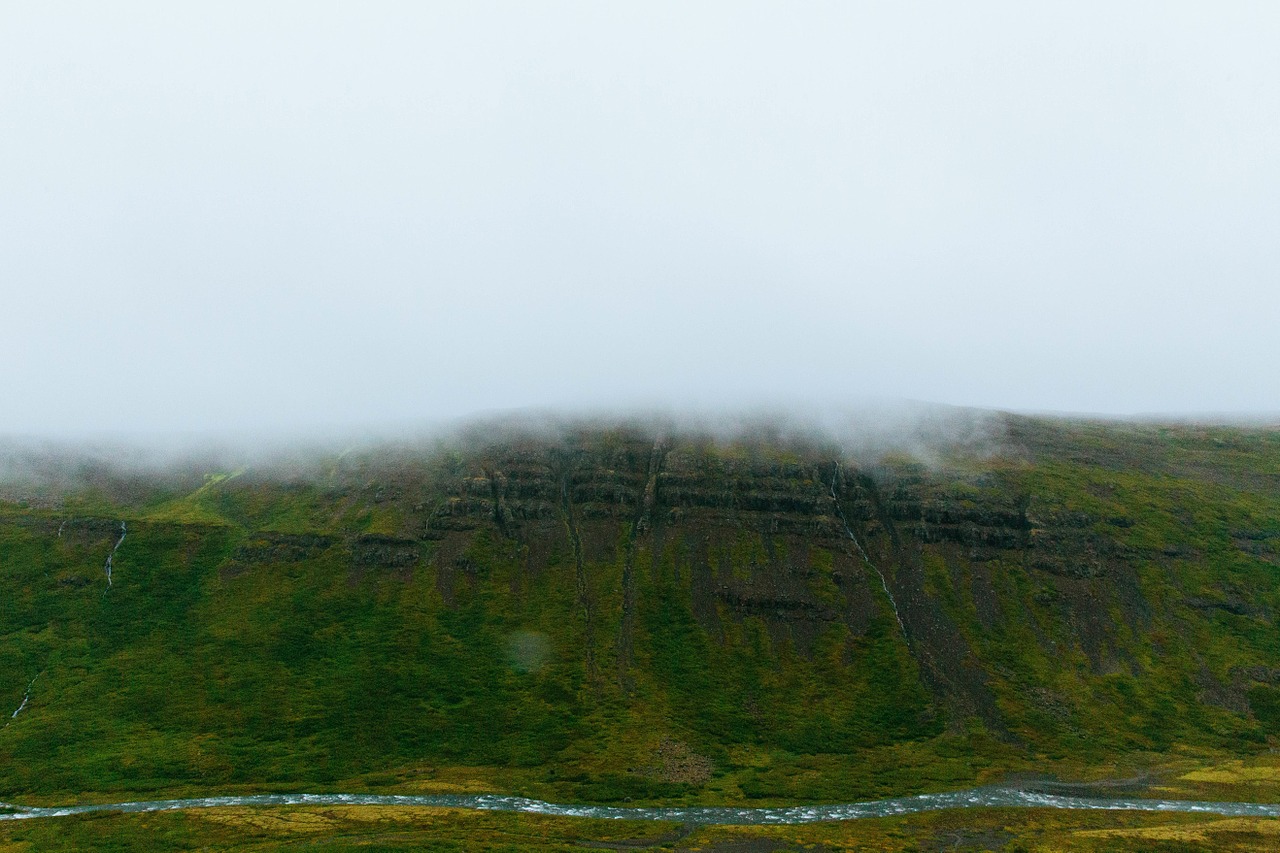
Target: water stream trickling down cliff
{"x": 835, "y": 478}
{"x": 110, "y": 557}
{"x": 26, "y": 697}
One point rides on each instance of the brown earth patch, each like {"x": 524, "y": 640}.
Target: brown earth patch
{"x": 676, "y": 762}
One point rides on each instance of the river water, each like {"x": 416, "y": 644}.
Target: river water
{"x": 722, "y": 815}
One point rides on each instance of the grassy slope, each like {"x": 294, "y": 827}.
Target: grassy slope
{"x": 224, "y": 660}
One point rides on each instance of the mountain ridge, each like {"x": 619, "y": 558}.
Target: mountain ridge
{"x": 611, "y": 611}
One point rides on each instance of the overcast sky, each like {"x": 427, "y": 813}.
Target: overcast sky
{"x": 283, "y": 215}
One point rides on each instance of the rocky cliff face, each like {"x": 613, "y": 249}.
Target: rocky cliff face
{"x": 801, "y": 540}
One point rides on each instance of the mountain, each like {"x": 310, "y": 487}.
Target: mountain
{"x": 637, "y": 611}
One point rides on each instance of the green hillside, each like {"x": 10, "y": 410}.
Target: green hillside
{"x": 622, "y": 614}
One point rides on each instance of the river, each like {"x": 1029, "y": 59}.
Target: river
{"x": 1002, "y": 797}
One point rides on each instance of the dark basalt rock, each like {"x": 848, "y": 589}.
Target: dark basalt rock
{"x": 1231, "y": 604}
{"x": 384, "y": 552}
{"x": 86, "y": 531}
{"x": 281, "y": 548}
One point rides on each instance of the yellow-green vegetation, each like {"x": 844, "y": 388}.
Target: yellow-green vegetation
{"x": 621, "y": 617}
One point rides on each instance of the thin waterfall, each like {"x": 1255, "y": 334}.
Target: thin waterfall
{"x": 26, "y": 697}
{"x": 110, "y": 557}
{"x": 884, "y": 584}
